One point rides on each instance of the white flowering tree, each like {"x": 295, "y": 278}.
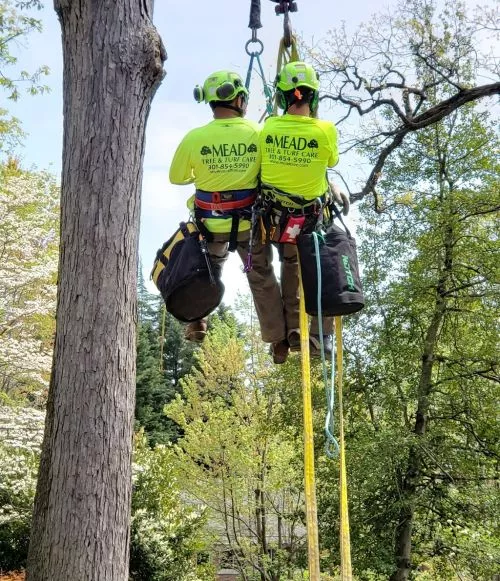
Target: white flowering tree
{"x": 21, "y": 432}
{"x": 167, "y": 533}
{"x": 29, "y": 214}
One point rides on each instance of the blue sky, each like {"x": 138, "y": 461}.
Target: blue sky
{"x": 200, "y": 37}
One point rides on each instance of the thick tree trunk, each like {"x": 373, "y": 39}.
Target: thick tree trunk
{"x": 112, "y": 66}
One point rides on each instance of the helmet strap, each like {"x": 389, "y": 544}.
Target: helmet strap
{"x": 238, "y": 110}
{"x": 240, "y": 98}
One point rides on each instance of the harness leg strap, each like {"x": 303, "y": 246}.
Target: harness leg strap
{"x": 233, "y": 236}
{"x": 205, "y": 232}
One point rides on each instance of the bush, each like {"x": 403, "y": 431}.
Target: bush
{"x": 166, "y": 533}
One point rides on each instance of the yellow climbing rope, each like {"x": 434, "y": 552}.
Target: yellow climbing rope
{"x": 345, "y": 537}
{"x": 309, "y": 477}
{"x": 285, "y": 55}
{"x": 309, "y": 473}
{"x": 162, "y": 337}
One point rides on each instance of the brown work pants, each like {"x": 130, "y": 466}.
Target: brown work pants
{"x": 276, "y": 303}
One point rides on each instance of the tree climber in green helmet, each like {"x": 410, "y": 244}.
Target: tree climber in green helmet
{"x": 296, "y": 150}
{"x": 222, "y": 159}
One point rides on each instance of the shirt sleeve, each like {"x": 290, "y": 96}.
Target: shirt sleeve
{"x": 181, "y": 169}
{"x": 259, "y": 147}
{"x": 331, "y": 133}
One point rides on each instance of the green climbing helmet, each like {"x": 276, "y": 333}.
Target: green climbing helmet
{"x": 297, "y": 74}
{"x": 220, "y": 86}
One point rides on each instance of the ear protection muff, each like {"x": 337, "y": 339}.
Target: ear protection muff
{"x": 280, "y": 99}
{"x": 198, "y": 94}
{"x": 314, "y": 101}
{"x": 315, "y": 98}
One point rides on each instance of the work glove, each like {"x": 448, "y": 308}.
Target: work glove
{"x": 339, "y": 197}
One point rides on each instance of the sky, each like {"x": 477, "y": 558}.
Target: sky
{"x": 199, "y": 37}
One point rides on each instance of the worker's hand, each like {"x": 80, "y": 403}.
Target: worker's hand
{"x": 340, "y": 198}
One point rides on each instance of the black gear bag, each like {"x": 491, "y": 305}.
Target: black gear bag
{"x": 341, "y": 290}
{"x": 184, "y": 274}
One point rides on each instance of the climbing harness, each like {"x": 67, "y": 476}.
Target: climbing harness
{"x": 234, "y": 204}
{"x": 284, "y": 216}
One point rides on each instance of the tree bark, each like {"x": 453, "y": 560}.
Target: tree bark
{"x": 112, "y": 66}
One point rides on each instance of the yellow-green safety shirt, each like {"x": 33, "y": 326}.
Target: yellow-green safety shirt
{"x": 220, "y": 156}
{"x": 296, "y": 150}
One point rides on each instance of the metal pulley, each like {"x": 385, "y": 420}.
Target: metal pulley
{"x": 285, "y": 7}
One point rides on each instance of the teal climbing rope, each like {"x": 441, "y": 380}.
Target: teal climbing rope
{"x": 255, "y": 52}
{"x": 332, "y": 448}
{"x": 255, "y": 57}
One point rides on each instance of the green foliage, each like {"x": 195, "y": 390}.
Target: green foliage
{"x": 166, "y": 533}
{"x": 21, "y": 433}
{"x": 153, "y": 390}
{"x": 157, "y": 379}
{"x": 178, "y": 353}
{"x": 236, "y": 457}
{"x": 423, "y": 363}
{"x": 422, "y": 358}
{"x": 16, "y": 26}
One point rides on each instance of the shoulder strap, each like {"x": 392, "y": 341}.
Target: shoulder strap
{"x": 339, "y": 216}
{"x": 184, "y": 229}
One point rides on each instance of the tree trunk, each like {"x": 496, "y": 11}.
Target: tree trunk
{"x": 112, "y": 66}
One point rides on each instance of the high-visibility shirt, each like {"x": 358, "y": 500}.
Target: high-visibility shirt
{"x": 220, "y": 156}
{"x": 296, "y": 150}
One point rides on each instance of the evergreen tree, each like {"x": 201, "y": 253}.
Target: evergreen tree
{"x": 163, "y": 358}
{"x": 153, "y": 390}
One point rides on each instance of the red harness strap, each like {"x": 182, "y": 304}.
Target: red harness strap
{"x": 218, "y": 204}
